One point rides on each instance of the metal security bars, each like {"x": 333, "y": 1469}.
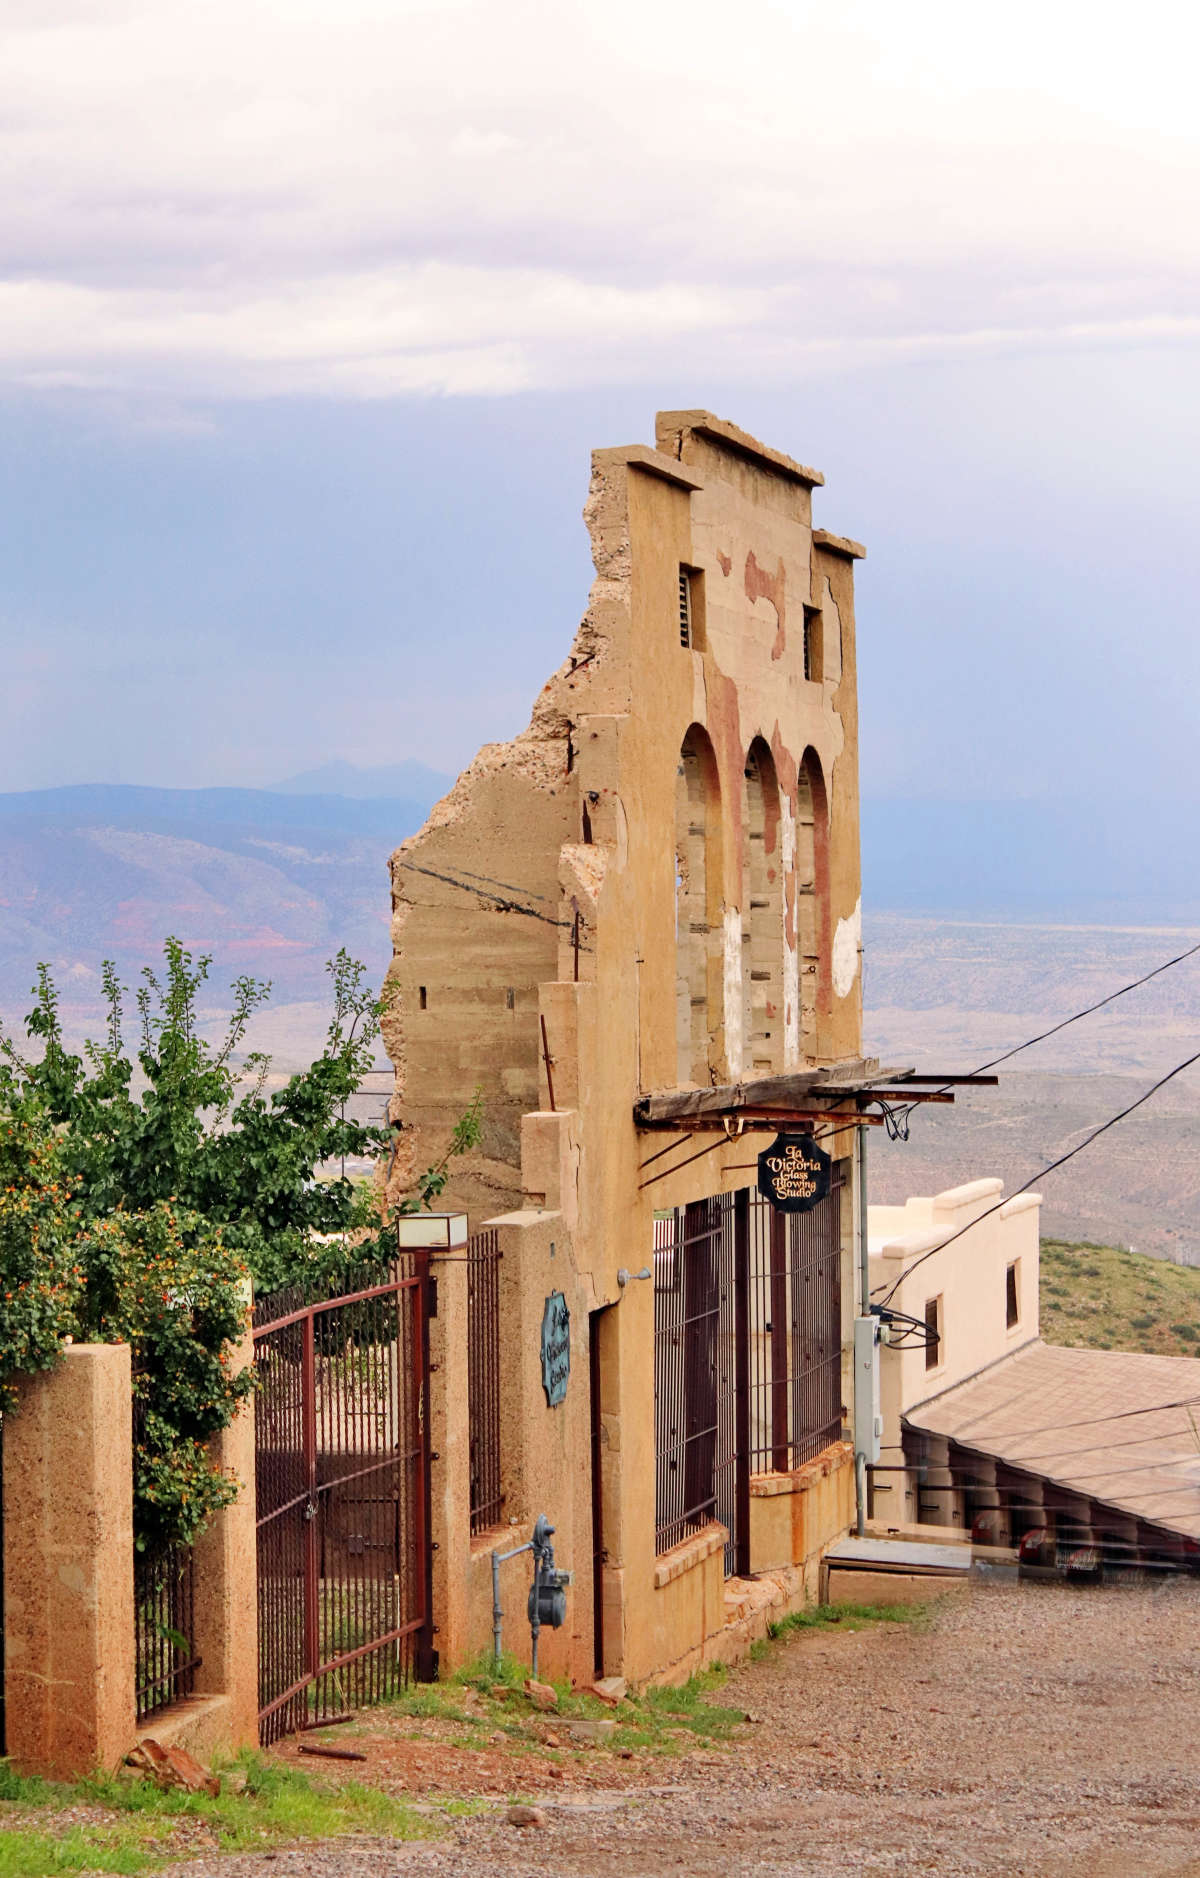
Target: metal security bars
{"x": 165, "y": 1660}
{"x": 483, "y": 1378}
{"x": 795, "y": 1331}
{"x": 747, "y": 1356}
{"x": 695, "y": 1374}
{"x": 685, "y": 607}
{"x": 342, "y": 1461}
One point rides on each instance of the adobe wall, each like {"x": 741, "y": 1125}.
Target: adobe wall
{"x": 968, "y": 1276}
{"x": 655, "y": 885}
{"x": 69, "y": 1647}
{"x": 68, "y": 1566}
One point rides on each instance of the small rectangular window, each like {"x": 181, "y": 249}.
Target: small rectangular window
{"x": 1012, "y": 1296}
{"x": 421, "y": 997}
{"x": 510, "y": 999}
{"x": 933, "y": 1332}
{"x": 685, "y": 607}
{"x": 813, "y": 663}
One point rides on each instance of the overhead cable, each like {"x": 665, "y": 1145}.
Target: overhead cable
{"x": 1063, "y": 1024}
{"x": 1050, "y": 1169}
{"x": 1052, "y": 1428}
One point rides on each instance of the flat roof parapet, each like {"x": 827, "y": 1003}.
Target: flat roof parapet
{"x": 839, "y": 544}
{"x": 670, "y": 426}
{"x": 643, "y": 457}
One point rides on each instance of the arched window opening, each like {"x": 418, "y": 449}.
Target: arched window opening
{"x": 697, "y": 908}
{"x": 762, "y": 916}
{"x": 812, "y": 893}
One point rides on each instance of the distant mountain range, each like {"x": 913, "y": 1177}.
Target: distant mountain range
{"x": 269, "y": 882}
{"x": 272, "y": 881}
{"x": 399, "y": 782}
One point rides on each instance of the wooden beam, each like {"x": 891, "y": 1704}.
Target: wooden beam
{"x": 764, "y": 1092}
{"x": 790, "y": 1118}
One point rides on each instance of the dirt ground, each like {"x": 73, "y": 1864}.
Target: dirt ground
{"x": 1030, "y": 1730}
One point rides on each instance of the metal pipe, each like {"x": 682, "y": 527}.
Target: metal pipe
{"x": 864, "y": 1250}
{"x": 864, "y": 1290}
{"x": 498, "y": 1559}
{"x": 497, "y": 1610}
{"x": 535, "y": 1625}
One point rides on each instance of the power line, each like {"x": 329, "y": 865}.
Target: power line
{"x": 1052, "y": 1168}
{"x": 1091, "y": 1447}
{"x": 1141, "y": 1467}
{"x": 1052, "y": 1428}
{"x": 1064, "y": 1023}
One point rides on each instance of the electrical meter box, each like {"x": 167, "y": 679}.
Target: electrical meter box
{"x": 868, "y": 1421}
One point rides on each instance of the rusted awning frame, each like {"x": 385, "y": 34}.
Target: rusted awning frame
{"x": 776, "y": 1101}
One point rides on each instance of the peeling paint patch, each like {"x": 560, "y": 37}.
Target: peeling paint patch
{"x": 846, "y": 942}
{"x": 791, "y": 956}
{"x": 773, "y": 587}
{"x": 832, "y": 638}
{"x": 733, "y": 990}
{"x": 726, "y": 562}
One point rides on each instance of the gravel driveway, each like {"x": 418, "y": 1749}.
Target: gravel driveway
{"x": 1031, "y": 1729}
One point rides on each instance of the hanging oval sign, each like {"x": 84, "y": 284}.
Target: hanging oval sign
{"x": 556, "y": 1348}
{"x": 794, "y": 1173}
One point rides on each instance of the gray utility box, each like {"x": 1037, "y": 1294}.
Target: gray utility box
{"x": 868, "y": 1422}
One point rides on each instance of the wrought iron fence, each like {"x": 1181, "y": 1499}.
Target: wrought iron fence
{"x": 483, "y": 1378}
{"x": 341, "y": 1416}
{"x": 165, "y": 1660}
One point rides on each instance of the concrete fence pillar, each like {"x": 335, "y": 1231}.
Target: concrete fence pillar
{"x": 68, "y": 1565}
{"x": 450, "y": 1470}
{"x": 441, "y": 1239}
{"x": 225, "y": 1619}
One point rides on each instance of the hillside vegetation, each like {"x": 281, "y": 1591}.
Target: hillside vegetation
{"x": 1096, "y": 1297}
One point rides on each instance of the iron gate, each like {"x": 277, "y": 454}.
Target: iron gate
{"x": 342, "y": 1457}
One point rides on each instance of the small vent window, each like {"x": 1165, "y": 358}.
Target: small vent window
{"x": 1012, "y": 1296}
{"x": 685, "y": 607}
{"x": 933, "y": 1332}
{"x": 812, "y": 644}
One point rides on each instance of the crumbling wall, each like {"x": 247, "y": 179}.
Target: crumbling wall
{"x": 656, "y": 884}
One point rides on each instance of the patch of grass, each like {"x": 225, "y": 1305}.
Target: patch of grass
{"x": 432, "y": 1701}
{"x": 278, "y": 1806}
{"x": 1100, "y": 1297}
{"x": 847, "y": 1617}
{"x": 666, "y": 1720}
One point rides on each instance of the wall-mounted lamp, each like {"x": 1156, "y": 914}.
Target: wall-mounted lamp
{"x": 432, "y": 1232}
{"x": 626, "y": 1277}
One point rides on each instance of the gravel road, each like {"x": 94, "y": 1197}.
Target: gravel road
{"x": 1033, "y": 1730}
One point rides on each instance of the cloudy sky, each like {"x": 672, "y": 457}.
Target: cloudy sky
{"x": 311, "y": 312}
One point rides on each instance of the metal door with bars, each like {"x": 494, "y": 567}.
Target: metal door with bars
{"x": 696, "y": 1374}
{"x": 747, "y": 1356}
{"x": 342, "y": 1459}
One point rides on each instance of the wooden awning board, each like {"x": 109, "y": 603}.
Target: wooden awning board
{"x": 783, "y": 1095}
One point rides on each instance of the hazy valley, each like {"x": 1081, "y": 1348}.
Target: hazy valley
{"x": 271, "y": 882}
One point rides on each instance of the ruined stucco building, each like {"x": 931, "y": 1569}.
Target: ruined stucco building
{"x": 636, "y": 928}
